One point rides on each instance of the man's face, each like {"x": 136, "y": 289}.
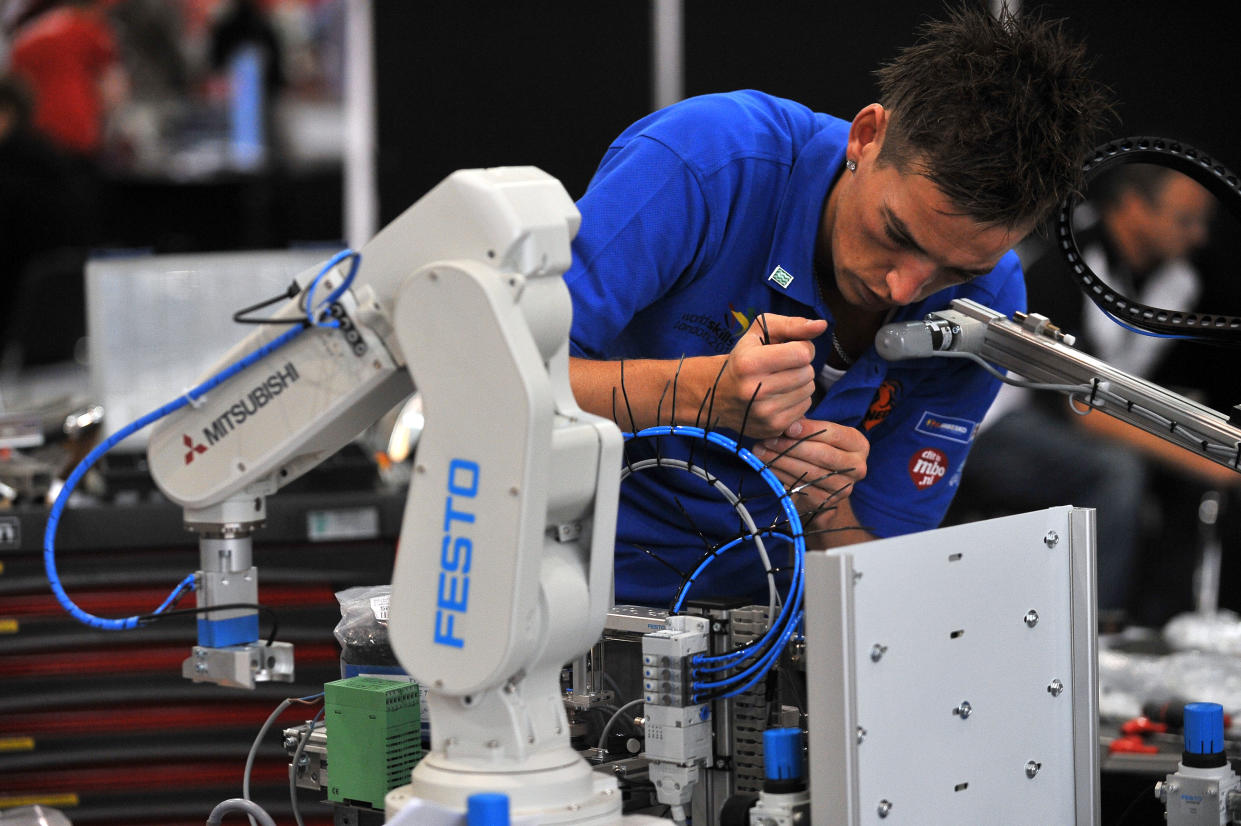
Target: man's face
{"x": 896, "y": 240}
{"x": 1177, "y": 222}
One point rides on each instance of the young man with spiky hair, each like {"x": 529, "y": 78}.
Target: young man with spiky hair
{"x": 744, "y": 250}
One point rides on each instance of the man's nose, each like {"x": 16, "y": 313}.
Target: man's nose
{"x": 908, "y": 278}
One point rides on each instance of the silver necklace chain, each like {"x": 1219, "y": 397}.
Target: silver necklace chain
{"x": 839, "y": 350}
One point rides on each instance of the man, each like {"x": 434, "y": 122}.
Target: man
{"x": 766, "y": 244}
{"x": 1142, "y": 224}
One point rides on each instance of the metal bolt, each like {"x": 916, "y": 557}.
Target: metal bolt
{"x": 885, "y": 806}
{"x": 200, "y": 668}
{"x": 1055, "y": 688}
{"x": 1032, "y": 769}
{"x": 715, "y": 626}
{"x": 877, "y": 651}
{"x": 963, "y": 710}
{"x": 1031, "y": 618}
{"x": 861, "y": 735}
{"x": 1051, "y": 539}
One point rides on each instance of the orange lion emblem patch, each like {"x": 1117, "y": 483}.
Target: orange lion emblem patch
{"x": 882, "y": 404}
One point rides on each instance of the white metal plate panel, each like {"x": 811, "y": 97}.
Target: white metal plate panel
{"x": 948, "y": 609}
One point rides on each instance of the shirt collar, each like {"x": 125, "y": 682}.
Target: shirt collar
{"x": 801, "y": 211}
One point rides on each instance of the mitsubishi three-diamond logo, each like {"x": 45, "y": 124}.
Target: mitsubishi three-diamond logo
{"x": 193, "y": 448}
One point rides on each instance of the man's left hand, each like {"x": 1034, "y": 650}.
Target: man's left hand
{"x": 819, "y": 461}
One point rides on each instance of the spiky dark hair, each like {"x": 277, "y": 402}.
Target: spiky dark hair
{"x": 999, "y": 111}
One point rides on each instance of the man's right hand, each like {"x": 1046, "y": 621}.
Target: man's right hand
{"x": 765, "y": 383}
{"x": 768, "y": 380}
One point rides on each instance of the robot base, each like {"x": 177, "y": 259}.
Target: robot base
{"x": 438, "y": 797}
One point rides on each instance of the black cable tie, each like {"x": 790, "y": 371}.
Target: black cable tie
{"x": 240, "y": 317}
{"x": 676, "y": 378}
{"x": 659, "y": 408}
{"x": 745, "y": 417}
{"x": 662, "y": 561}
{"x": 762, "y": 323}
{"x": 633, "y": 424}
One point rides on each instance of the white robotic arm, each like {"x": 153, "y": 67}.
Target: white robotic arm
{"x": 505, "y": 559}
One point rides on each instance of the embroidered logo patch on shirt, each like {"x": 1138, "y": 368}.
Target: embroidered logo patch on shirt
{"x": 882, "y": 404}
{"x": 947, "y": 427}
{"x": 781, "y": 276}
{"x": 927, "y": 466}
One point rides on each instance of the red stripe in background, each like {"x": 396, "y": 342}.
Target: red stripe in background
{"x": 157, "y": 659}
{"x": 145, "y": 600}
{"x": 82, "y": 722}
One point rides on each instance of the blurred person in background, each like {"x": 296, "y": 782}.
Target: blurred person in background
{"x": 67, "y": 53}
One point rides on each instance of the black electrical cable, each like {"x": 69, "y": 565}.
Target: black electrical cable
{"x": 242, "y": 315}
{"x": 275, "y": 622}
{"x": 1180, "y": 156}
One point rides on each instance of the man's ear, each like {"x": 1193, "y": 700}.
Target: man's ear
{"x": 866, "y": 133}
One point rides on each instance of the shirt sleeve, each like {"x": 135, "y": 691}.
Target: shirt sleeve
{"x": 918, "y": 452}
{"x": 645, "y": 223}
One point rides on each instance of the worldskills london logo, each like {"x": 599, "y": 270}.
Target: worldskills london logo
{"x": 738, "y": 322}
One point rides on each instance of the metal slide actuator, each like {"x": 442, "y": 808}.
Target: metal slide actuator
{"x": 1031, "y": 346}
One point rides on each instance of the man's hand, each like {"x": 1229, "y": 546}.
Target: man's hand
{"x": 819, "y": 462}
{"x": 767, "y": 382}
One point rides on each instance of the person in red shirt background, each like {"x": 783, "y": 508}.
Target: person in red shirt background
{"x": 67, "y": 54}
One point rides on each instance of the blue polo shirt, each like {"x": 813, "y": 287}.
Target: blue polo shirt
{"x": 701, "y": 216}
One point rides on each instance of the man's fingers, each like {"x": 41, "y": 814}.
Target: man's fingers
{"x": 808, "y": 444}
{"x": 775, "y": 329}
{"x": 755, "y": 359}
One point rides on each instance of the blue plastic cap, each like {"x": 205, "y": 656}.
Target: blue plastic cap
{"x": 487, "y": 809}
{"x": 1204, "y": 728}
{"x": 782, "y": 753}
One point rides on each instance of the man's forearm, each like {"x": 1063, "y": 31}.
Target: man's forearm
{"x": 642, "y": 393}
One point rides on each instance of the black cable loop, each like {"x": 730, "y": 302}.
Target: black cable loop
{"x": 1182, "y": 157}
